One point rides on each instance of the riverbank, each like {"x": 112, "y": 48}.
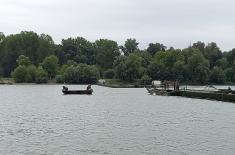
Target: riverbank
{"x": 116, "y": 83}
{"x": 111, "y": 83}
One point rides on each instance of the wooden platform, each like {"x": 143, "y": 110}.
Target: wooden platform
{"x": 219, "y": 96}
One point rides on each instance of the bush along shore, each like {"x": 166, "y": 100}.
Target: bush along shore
{"x": 28, "y": 57}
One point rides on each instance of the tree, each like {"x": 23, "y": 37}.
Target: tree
{"x": 130, "y": 46}
{"x": 81, "y": 74}
{"x": 78, "y": 49}
{"x": 158, "y": 71}
{"x": 2, "y": 37}
{"x": 198, "y": 67}
{"x": 154, "y": 48}
{"x": 50, "y": 65}
{"x": 179, "y": 71}
{"x": 133, "y": 64}
{"x": 72, "y": 75}
{"x": 230, "y": 74}
{"x": 106, "y": 52}
{"x": 41, "y": 76}
{"x": 217, "y": 75}
{"x": 21, "y": 74}
{"x": 23, "y": 60}
{"x": 200, "y": 46}
{"x": 230, "y": 56}
{"x": 32, "y": 71}
{"x": 128, "y": 68}
{"x": 222, "y": 63}
{"x": 146, "y": 58}
{"x": 120, "y": 67}
{"x": 212, "y": 53}
{"x": 25, "y": 72}
{"x": 30, "y": 44}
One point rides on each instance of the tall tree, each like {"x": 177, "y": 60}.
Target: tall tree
{"x": 212, "y": 53}
{"x": 154, "y": 48}
{"x": 50, "y": 65}
{"x": 130, "y": 46}
{"x": 200, "y": 46}
{"x": 106, "y": 52}
{"x": 78, "y": 49}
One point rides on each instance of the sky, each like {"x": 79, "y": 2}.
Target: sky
{"x": 176, "y": 23}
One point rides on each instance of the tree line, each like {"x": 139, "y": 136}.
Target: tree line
{"x": 30, "y": 57}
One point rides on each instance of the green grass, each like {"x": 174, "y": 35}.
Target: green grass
{"x": 116, "y": 83}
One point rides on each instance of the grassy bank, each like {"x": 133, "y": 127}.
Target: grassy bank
{"x": 6, "y": 80}
{"x": 116, "y": 83}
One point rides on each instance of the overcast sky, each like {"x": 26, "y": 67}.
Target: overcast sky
{"x": 171, "y": 22}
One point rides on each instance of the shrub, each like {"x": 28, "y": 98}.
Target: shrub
{"x": 59, "y": 79}
{"x": 81, "y": 74}
{"x": 41, "y": 76}
{"x": 50, "y": 65}
{"x": 32, "y": 71}
{"x": 21, "y": 74}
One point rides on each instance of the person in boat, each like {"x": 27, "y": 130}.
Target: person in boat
{"x": 88, "y": 87}
{"x": 229, "y": 88}
{"x": 65, "y": 88}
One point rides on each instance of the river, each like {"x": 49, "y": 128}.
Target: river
{"x": 38, "y": 119}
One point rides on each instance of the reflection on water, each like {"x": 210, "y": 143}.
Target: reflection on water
{"x": 38, "y": 119}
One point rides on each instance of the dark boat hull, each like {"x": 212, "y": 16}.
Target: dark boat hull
{"x": 79, "y": 92}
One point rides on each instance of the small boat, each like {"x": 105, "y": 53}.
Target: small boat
{"x": 79, "y": 92}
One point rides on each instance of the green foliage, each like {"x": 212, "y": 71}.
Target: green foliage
{"x": 25, "y": 72}
{"x": 21, "y": 54}
{"x": 35, "y": 47}
{"x": 50, "y": 65}
{"x": 212, "y": 53}
{"x": 131, "y": 46}
{"x": 154, "y": 48}
{"x": 21, "y": 74}
{"x": 200, "y": 46}
{"x": 128, "y": 68}
{"x": 32, "y": 70}
{"x": 72, "y": 75}
{"x": 198, "y": 67}
{"x": 158, "y": 71}
{"x": 81, "y": 74}
{"x": 217, "y": 75}
{"x": 109, "y": 74}
{"x": 230, "y": 74}
{"x": 222, "y": 63}
{"x": 179, "y": 71}
{"x": 23, "y": 61}
{"x": 77, "y": 49}
{"x": 41, "y": 76}
{"x": 146, "y": 58}
{"x": 106, "y": 51}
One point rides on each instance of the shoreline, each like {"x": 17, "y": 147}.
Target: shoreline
{"x": 110, "y": 83}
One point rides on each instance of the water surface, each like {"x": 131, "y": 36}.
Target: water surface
{"x": 38, "y": 119}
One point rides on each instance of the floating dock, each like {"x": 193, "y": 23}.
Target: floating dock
{"x": 219, "y": 95}
{"x": 213, "y": 95}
